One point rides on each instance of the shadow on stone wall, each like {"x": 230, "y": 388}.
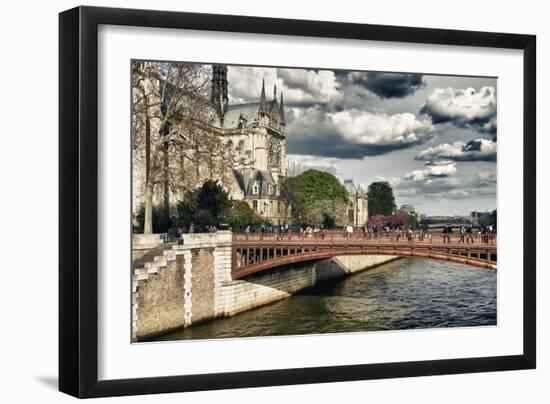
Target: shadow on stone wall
{"x": 280, "y": 282}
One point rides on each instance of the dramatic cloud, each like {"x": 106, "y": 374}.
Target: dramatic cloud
{"x": 474, "y": 150}
{"x": 465, "y": 108}
{"x": 432, "y": 170}
{"x": 353, "y": 133}
{"x": 440, "y": 180}
{"x": 335, "y": 118}
{"x": 436, "y": 178}
{"x": 300, "y": 86}
{"x": 389, "y": 85}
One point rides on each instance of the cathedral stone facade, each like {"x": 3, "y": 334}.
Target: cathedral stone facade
{"x": 258, "y": 129}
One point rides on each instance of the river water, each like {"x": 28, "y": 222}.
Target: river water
{"x": 403, "y": 294}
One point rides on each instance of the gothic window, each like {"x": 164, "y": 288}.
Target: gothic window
{"x": 255, "y": 205}
{"x": 255, "y": 189}
{"x": 274, "y": 151}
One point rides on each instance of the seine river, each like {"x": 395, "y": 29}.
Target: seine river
{"x": 404, "y": 294}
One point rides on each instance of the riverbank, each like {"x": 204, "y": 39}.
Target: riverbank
{"x": 409, "y": 293}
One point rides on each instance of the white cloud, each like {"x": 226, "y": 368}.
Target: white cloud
{"x": 298, "y": 85}
{"x": 370, "y": 128}
{"x": 430, "y": 172}
{"x": 245, "y": 83}
{"x": 440, "y": 180}
{"x": 474, "y": 150}
{"x": 463, "y": 107}
{"x": 302, "y": 85}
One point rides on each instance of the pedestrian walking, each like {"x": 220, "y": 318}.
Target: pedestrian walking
{"x": 469, "y": 238}
{"x": 462, "y": 234}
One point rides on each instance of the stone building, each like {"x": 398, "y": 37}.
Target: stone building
{"x": 253, "y": 164}
{"x": 358, "y": 209}
{"x": 258, "y": 129}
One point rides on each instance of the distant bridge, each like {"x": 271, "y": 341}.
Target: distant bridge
{"x": 255, "y": 252}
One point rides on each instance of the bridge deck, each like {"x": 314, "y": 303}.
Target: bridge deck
{"x": 254, "y": 252}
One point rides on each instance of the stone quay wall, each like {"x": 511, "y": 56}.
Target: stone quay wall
{"x": 191, "y": 283}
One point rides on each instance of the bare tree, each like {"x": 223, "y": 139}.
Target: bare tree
{"x": 167, "y": 97}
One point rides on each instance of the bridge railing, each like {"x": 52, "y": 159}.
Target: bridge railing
{"x": 366, "y": 237}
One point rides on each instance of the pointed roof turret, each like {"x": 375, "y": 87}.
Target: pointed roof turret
{"x": 282, "y": 110}
{"x": 263, "y": 106}
{"x": 274, "y": 106}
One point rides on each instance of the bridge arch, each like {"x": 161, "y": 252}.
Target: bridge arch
{"x": 253, "y": 253}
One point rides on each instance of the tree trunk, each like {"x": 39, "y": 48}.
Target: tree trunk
{"x": 197, "y": 166}
{"x": 148, "y": 225}
{"x": 166, "y": 184}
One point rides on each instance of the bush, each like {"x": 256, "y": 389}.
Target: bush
{"x": 161, "y": 223}
{"x": 242, "y": 215}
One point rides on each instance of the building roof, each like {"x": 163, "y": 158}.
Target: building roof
{"x": 248, "y": 177}
{"x": 248, "y": 111}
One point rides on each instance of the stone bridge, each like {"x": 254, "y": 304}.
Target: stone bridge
{"x": 255, "y": 252}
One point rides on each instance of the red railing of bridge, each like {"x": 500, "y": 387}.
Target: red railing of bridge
{"x": 374, "y": 238}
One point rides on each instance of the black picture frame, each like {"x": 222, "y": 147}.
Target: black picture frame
{"x": 78, "y": 201}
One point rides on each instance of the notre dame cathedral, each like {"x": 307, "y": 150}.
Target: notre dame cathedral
{"x": 259, "y": 129}
{"x": 253, "y": 135}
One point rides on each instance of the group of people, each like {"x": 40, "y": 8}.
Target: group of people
{"x": 468, "y": 234}
{"x": 178, "y": 231}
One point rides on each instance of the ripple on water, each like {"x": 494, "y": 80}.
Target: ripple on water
{"x": 404, "y": 294}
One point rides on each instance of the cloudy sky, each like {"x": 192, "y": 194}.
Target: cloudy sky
{"x": 432, "y": 137}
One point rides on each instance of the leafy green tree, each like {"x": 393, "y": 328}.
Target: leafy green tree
{"x": 213, "y": 198}
{"x": 315, "y": 185}
{"x": 318, "y": 199}
{"x": 488, "y": 219}
{"x": 329, "y": 213}
{"x": 207, "y": 205}
{"x": 381, "y": 199}
{"x": 289, "y": 196}
{"x": 413, "y": 222}
{"x": 204, "y": 217}
{"x": 242, "y": 215}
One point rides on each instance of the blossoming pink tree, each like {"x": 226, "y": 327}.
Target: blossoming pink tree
{"x": 399, "y": 219}
{"x": 377, "y": 221}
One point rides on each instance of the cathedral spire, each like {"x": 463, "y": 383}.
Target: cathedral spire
{"x": 282, "y": 110}
{"x": 275, "y": 92}
{"x": 263, "y": 107}
{"x": 219, "y": 96}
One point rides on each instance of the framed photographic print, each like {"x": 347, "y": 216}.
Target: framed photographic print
{"x": 250, "y": 201}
